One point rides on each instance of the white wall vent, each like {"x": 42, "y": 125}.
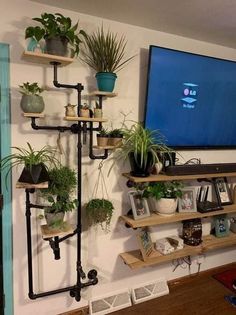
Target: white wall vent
{"x": 149, "y": 290}
{"x": 110, "y": 303}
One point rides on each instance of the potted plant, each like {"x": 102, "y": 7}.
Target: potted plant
{"x": 57, "y": 31}
{"x": 115, "y": 137}
{"x": 84, "y": 111}
{"x": 105, "y": 53}
{"x": 163, "y": 196}
{"x": 31, "y": 100}
{"x": 62, "y": 184}
{"x": 142, "y": 147}
{"x": 97, "y": 111}
{"x": 99, "y": 211}
{"x": 102, "y": 138}
{"x": 35, "y": 163}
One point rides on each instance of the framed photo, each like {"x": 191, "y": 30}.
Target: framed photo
{"x": 145, "y": 243}
{"x": 222, "y": 191}
{"x": 139, "y": 205}
{"x": 221, "y": 226}
{"x": 188, "y": 202}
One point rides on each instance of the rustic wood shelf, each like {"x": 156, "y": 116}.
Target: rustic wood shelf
{"x": 31, "y": 186}
{"x": 156, "y": 219}
{"x": 134, "y": 258}
{"x": 106, "y": 147}
{"x": 162, "y": 177}
{"x": 48, "y": 232}
{"x": 46, "y": 58}
{"x": 101, "y": 93}
{"x": 33, "y": 115}
{"x": 77, "y": 118}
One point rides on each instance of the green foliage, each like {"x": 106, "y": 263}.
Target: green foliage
{"x": 54, "y": 25}
{"x": 105, "y": 52}
{"x": 99, "y": 211}
{"x": 103, "y": 132}
{"x": 30, "y": 88}
{"x": 116, "y": 133}
{"x": 164, "y": 190}
{"x": 61, "y": 186}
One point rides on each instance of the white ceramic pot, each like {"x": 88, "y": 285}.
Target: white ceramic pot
{"x": 164, "y": 206}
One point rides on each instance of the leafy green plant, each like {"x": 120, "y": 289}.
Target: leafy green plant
{"x": 103, "y": 132}
{"x": 99, "y": 211}
{"x": 105, "y": 52}
{"x": 54, "y": 25}
{"x": 164, "y": 190}
{"x": 116, "y": 133}
{"x": 30, "y": 88}
{"x": 62, "y": 183}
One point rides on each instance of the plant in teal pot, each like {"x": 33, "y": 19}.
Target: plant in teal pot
{"x": 105, "y": 53}
{"x": 31, "y": 101}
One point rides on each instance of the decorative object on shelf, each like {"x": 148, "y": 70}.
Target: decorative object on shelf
{"x": 102, "y": 138}
{"x": 221, "y": 226}
{"x": 158, "y": 167}
{"x": 58, "y": 32}
{"x": 105, "y": 53}
{"x": 97, "y": 111}
{"x": 233, "y": 224}
{"x": 34, "y": 45}
{"x": 139, "y": 205}
{"x": 84, "y": 111}
{"x": 192, "y": 232}
{"x": 35, "y": 163}
{"x": 188, "y": 201}
{"x": 145, "y": 243}
{"x": 222, "y": 191}
{"x": 163, "y": 196}
{"x": 31, "y": 101}
{"x": 70, "y": 110}
{"x": 115, "y": 137}
{"x": 62, "y": 184}
{"x": 142, "y": 147}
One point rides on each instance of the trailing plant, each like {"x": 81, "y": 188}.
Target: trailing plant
{"x": 104, "y": 51}
{"x": 30, "y": 88}
{"x": 56, "y": 25}
{"x": 164, "y": 190}
{"x": 99, "y": 211}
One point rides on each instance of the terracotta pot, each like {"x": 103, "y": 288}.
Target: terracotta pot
{"x": 102, "y": 141}
{"x": 84, "y": 113}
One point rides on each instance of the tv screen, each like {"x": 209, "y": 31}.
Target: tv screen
{"x": 191, "y": 99}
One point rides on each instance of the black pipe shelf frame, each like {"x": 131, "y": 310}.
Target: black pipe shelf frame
{"x": 81, "y": 127}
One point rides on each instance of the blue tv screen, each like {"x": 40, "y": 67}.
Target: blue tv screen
{"x": 191, "y": 99}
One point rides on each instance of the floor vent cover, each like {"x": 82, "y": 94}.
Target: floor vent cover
{"x": 110, "y": 303}
{"x": 149, "y": 291}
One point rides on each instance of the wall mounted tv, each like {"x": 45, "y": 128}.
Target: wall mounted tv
{"x": 191, "y": 99}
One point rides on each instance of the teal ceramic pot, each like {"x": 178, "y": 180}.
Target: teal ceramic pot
{"x": 32, "y": 103}
{"x": 56, "y": 46}
{"x": 106, "y": 81}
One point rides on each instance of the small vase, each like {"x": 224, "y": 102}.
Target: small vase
{"x": 84, "y": 113}
{"x": 70, "y": 110}
{"x": 97, "y": 113}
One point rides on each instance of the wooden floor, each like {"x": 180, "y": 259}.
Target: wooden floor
{"x": 197, "y": 295}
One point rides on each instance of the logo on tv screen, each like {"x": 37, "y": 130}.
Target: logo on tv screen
{"x": 190, "y": 95}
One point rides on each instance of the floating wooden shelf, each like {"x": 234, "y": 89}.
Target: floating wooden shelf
{"x": 76, "y": 118}
{"x": 34, "y": 115}
{"x": 134, "y": 258}
{"x": 101, "y": 93}
{"x": 46, "y": 58}
{"x": 156, "y": 219}
{"x": 107, "y": 147}
{"x": 48, "y": 232}
{"x": 30, "y": 186}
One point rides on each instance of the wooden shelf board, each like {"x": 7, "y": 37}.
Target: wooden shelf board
{"x": 107, "y": 147}
{"x": 76, "y": 118}
{"x": 101, "y": 93}
{"x": 34, "y": 115}
{"x": 46, "y": 58}
{"x": 156, "y": 219}
{"x": 48, "y": 232}
{"x": 162, "y": 177}
{"x": 29, "y": 186}
{"x": 134, "y": 258}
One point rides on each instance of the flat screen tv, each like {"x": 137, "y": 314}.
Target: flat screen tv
{"x": 191, "y": 99}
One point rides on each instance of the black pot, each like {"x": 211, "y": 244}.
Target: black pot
{"x": 56, "y": 46}
{"x": 34, "y": 175}
{"x": 138, "y": 171}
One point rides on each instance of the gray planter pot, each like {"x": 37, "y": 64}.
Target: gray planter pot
{"x": 57, "y": 46}
{"x": 32, "y": 103}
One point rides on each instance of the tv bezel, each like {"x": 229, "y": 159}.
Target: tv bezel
{"x": 212, "y": 147}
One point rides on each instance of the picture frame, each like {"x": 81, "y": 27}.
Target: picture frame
{"x": 222, "y": 191}
{"x": 139, "y": 205}
{"x": 188, "y": 201}
{"x": 145, "y": 243}
{"x": 221, "y": 226}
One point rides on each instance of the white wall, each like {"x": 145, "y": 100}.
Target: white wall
{"x": 99, "y": 250}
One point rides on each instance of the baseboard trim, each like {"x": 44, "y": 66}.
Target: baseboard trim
{"x": 78, "y": 311}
